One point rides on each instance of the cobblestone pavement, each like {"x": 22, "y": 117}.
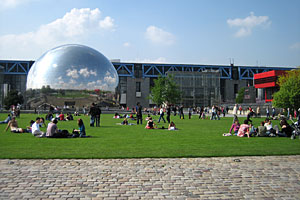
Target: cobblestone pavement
{"x": 273, "y": 177}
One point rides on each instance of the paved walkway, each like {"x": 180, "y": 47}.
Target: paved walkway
{"x": 276, "y": 177}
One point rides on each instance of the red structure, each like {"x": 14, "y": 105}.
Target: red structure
{"x": 267, "y": 81}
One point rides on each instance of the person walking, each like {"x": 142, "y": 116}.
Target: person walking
{"x": 161, "y": 115}
{"x": 268, "y": 112}
{"x": 181, "y": 114}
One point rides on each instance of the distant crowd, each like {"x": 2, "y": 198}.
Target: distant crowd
{"x": 246, "y": 129}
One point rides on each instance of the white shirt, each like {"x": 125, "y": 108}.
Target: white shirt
{"x": 269, "y": 126}
{"x": 161, "y": 111}
{"x": 35, "y": 126}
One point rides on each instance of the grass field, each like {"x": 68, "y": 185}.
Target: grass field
{"x": 195, "y": 138}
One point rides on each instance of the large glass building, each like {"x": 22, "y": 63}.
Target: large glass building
{"x": 201, "y": 84}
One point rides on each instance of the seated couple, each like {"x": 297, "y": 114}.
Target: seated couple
{"x": 152, "y": 125}
{"x": 244, "y": 130}
{"x": 54, "y": 132}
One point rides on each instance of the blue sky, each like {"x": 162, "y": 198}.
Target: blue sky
{"x": 262, "y": 32}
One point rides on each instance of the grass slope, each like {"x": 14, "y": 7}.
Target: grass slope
{"x": 196, "y": 138}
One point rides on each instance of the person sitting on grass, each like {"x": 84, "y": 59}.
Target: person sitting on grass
{"x": 244, "y": 130}
{"x": 13, "y": 125}
{"x": 52, "y": 130}
{"x": 262, "y": 130}
{"x": 81, "y": 131}
{"x": 49, "y": 116}
{"x": 116, "y": 116}
{"x": 150, "y": 124}
{"x": 36, "y": 128}
{"x": 42, "y": 122}
{"x": 148, "y": 117}
{"x": 6, "y": 120}
{"x": 286, "y": 129}
{"x": 29, "y": 128}
{"x": 172, "y": 127}
{"x": 69, "y": 117}
{"x": 125, "y": 121}
{"x": 270, "y": 130}
{"x": 235, "y": 127}
{"x": 61, "y": 117}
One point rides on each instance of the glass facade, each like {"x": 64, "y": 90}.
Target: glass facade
{"x": 198, "y": 88}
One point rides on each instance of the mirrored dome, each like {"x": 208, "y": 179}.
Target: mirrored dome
{"x": 73, "y": 67}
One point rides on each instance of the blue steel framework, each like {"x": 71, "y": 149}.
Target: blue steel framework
{"x": 153, "y": 70}
{"x": 16, "y": 67}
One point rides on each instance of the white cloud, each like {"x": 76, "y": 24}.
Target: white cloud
{"x": 73, "y": 27}
{"x": 72, "y": 73}
{"x": 110, "y": 80}
{"x": 107, "y": 23}
{"x": 126, "y": 44}
{"x": 247, "y": 24}
{"x": 159, "y": 36}
{"x": 295, "y": 45}
{"x": 86, "y": 73}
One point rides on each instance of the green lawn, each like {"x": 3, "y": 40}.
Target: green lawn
{"x": 196, "y": 138}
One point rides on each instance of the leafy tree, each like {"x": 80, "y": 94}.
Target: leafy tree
{"x": 13, "y": 98}
{"x": 240, "y": 97}
{"x": 165, "y": 90}
{"x": 288, "y": 95}
{"x": 46, "y": 90}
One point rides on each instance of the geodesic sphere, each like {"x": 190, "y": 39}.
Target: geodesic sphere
{"x": 73, "y": 66}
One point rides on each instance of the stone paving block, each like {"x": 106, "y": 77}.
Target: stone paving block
{"x": 271, "y": 177}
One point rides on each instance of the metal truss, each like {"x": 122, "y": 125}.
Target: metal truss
{"x": 154, "y": 70}
{"x": 16, "y": 67}
{"x": 247, "y": 73}
{"x": 124, "y": 69}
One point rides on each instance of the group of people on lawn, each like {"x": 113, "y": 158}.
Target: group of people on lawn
{"x": 52, "y": 129}
{"x": 265, "y": 129}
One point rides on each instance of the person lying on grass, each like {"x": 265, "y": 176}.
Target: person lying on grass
{"x": 81, "y": 131}
{"x": 125, "y": 122}
{"x": 172, "y": 127}
{"x": 6, "y": 120}
{"x": 13, "y": 125}
{"x": 150, "y": 124}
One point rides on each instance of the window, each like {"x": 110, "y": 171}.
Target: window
{"x": 138, "y": 87}
{"x": 236, "y": 88}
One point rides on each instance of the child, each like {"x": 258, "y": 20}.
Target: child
{"x": 235, "y": 127}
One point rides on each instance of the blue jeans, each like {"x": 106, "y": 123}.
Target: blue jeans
{"x": 92, "y": 121}
{"x": 161, "y": 117}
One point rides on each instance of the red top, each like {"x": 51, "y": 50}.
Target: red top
{"x": 61, "y": 117}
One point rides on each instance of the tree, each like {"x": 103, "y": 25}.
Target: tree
{"x": 288, "y": 95}
{"x": 240, "y": 97}
{"x": 165, "y": 90}
{"x": 13, "y": 98}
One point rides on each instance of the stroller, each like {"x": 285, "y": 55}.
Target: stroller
{"x": 296, "y": 131}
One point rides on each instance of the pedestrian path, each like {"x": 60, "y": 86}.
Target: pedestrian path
{"x": 271, "y": 177}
